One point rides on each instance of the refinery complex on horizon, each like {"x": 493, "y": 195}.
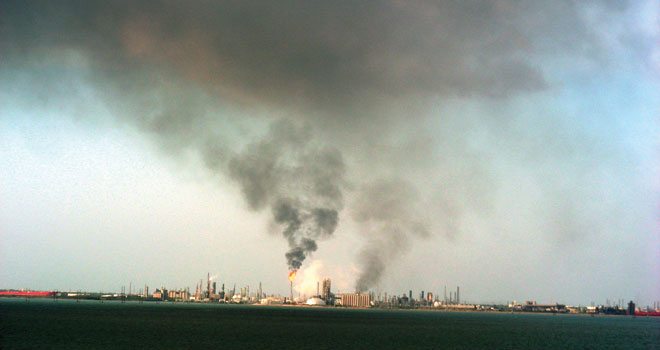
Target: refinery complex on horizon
{"x": 208, "y": 292}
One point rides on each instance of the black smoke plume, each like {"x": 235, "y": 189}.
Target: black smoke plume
{"x": 300, "y": 182}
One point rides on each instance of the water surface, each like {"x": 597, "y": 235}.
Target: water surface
{"x": 67, "y": 324}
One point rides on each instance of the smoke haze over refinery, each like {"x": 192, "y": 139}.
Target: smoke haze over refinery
{"x": 508, "y": 148}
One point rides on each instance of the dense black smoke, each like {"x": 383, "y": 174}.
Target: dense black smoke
{"x": 337, "y": 56}
{"x": 300, "y": 182}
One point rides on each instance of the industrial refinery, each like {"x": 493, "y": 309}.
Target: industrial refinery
{"x": 208, "y": 290}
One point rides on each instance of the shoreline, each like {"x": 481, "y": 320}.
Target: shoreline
{"x": 310, "y": 307}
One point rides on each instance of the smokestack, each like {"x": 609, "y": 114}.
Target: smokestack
{"x": 458, "y": 295}
{"x": 291, "y": 291}
{"x": 208, "y": 284}
{"x": 317, "y": 289}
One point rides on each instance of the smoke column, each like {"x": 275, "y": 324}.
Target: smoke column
{"x": 390, "y": 213}
{"x": 300, "y": 182}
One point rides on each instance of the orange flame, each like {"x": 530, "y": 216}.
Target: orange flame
{"x": 292, "y": 275}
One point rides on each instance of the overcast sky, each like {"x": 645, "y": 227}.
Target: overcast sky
{"x": 509, "y": 147}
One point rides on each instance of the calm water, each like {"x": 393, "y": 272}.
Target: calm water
{"x": 92, "y": 324}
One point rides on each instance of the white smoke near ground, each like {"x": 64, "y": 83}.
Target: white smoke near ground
{"x": 342, "y": 277}
{"x": 307, "y": 277}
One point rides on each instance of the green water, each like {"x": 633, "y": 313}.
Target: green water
{"x": 65, "y": 324}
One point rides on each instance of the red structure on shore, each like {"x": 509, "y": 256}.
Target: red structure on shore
{"x": 647, "y": 313}
{"x": 23, "y": 294}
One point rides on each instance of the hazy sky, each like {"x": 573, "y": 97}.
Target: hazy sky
{"x": 509, "y": 147}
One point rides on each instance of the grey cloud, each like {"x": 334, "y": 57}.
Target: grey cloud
{"x": 312, "y": 53}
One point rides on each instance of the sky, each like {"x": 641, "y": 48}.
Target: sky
{"x": 507, "y": 147}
